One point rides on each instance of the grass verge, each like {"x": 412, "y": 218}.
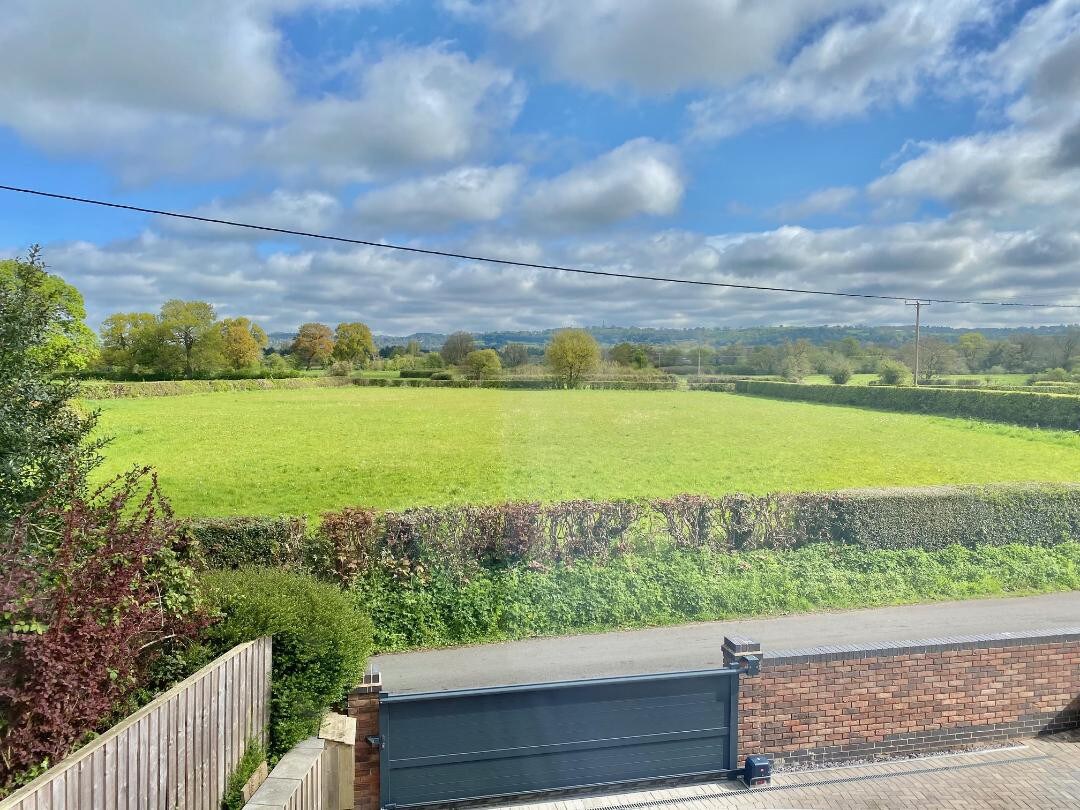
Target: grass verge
{"x": 676, "y": 587}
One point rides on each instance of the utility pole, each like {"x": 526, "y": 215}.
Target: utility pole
{"x": 918, "y": 312}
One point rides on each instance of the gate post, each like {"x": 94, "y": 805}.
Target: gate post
{"x": 740, "y": 652}
{"x": 364, "y": 706}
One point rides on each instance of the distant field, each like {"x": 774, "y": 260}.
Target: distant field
{"x": 304, "y": 451}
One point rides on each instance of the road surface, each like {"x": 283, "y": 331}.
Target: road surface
{"x": 697, "y": 646}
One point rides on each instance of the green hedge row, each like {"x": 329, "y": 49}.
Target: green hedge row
{"x": 729, "y": 387}
{"x": 459, "y": 542}
{"x": 171, "y": 388}
{"x": 526, "y": 383}
{"x": 1014, "y": 407}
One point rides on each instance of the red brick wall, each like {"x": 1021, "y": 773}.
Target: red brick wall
{"x": 364, "y": 706}
{"x": 823, "y": 705}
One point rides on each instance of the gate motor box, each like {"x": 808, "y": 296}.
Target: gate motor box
{"x": 758, "y": 771}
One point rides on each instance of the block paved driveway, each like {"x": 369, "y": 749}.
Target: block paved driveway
{"x": 1042, "y": 773}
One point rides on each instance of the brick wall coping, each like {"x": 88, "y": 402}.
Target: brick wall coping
{"x": 842, "y": 652}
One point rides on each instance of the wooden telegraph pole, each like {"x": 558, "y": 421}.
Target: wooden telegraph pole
{"x": 918, "y": 312}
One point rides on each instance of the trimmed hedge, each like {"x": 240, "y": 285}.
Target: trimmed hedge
{"x": 241, "y": 541}
{"x": 321, "y": 642}
{"x": 172, "y": 388}
{"x": 1014, "y": 407}
{"x": 418, "y": 373}
{"x": 522, "y": 383}
{"x": 459, "y": 542}
{"x": 728, "y": 387}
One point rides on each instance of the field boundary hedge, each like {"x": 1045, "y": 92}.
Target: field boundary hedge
{"x": 460, "y": 541}
{"x": 520, "y": 383}
{"x": 173, "y": 388}
{"x": 1013, "y": 407}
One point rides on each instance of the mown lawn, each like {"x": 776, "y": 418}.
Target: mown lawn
{"x": 304, "y": 451}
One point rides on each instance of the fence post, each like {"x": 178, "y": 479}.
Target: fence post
{"x": 364, "y": 708}
{"x": 339, "y": 734}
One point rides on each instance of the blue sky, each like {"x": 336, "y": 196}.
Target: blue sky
{"x": 920, "y": 147}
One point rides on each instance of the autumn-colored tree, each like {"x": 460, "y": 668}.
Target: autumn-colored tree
{"x": 313, "y": 344}
{"x": 571, "y": 354}
{"x": 456, "y": 347}
{"x": 242, "y": 342}
{"x": 353, "y": 342}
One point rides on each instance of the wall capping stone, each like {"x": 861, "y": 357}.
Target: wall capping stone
{"x": 840, "y": 652}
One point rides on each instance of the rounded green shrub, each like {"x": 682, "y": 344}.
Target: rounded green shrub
{"x": 321, "y": 642}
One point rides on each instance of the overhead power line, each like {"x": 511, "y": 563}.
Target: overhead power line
{"x": 530, "y": 265}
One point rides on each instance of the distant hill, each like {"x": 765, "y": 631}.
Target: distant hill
{"x": 717, "y": 336}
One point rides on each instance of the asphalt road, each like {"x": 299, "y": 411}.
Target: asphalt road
{"x": 697, "y": 646}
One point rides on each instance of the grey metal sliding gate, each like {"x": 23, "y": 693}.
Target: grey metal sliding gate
{"x": 479, "y": 743}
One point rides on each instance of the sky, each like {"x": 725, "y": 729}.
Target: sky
{"x": 921, "y": 148}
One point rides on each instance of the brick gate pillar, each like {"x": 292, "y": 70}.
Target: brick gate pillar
{"x": 752, "y": 695}
{"x": 364, "y": 706}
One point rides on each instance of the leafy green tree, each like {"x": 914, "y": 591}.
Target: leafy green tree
{"x": 119, "y": 336}
{"x": 242, "y": 342}
{"x": 1067, "y": 348}
{"x": 629, "y": 354}
{"x": 70, "y": 343}
{"x": 850, "y": 346}
{"x": 973, "y": 347}
{"x": 353, "y": 342}
{"x": 482, "y": 364}
{"x": 936, "y": 357}
{"x": 893, "y": 372}
{"x": 456, "y": 347}
{"x": 275, "y": 365}
{"x": 513, "y": 355}
{"x": 313, "y": 344}
{"x": 571, "y": 354}
{"x": 840, "y": 373}
{"x": 413, "y": 348}
{"x": 191, "y": 328}
{"x": 43, "y": 439}
{"x": 153, "y": 347}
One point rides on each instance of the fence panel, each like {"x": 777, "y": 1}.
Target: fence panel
{"x": 175, "y": 753}
{"x": 316, "y": 773}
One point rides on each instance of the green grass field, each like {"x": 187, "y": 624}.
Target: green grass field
{"x": 304, "y": 451}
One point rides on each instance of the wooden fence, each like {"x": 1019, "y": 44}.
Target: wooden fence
{"x": 175, "y": 753}
{"x": 316, "y": 774}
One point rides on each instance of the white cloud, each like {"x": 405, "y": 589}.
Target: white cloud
{"x": 1028, "y": 172}
{"x": 857, "y": 63}
{"x": 825, "y": 201}
{"x": 819, "y": 60}
{"x": 203, "y": 89}
{"x": 311, "y": 211}
{"x": 1040, "y": 57}
{"x": 639, "y": 177}
{"x": 413, "y": 106}
{"x": 399, "y": 293}
{"x": 464, "y": 194}
{"x": 648, "y": 46}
